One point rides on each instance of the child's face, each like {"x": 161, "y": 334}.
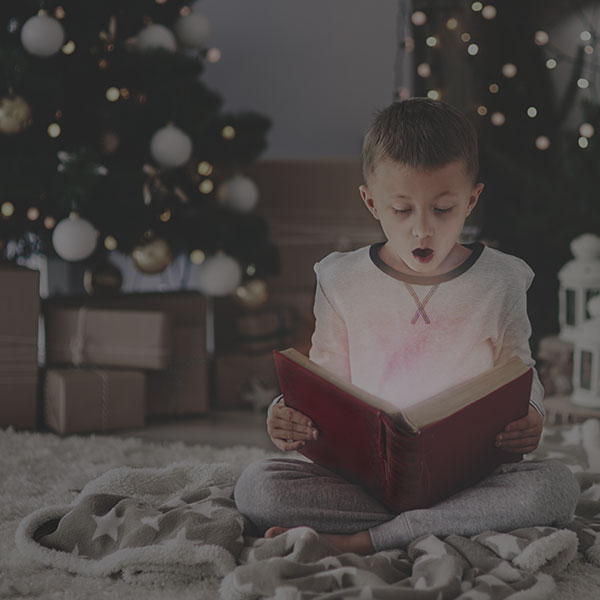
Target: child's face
{"x": 421, "y": 209}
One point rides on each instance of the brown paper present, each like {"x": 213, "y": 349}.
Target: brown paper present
{"x": 183, "y": 388}
{"x": 244, "y": 380}
{"x": 19, "y": 316}
{"x": 111, "y": 338}
{"x": 83, "y": 400}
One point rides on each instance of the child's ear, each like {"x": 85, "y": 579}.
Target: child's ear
{"x": 475, "y": 193}
{"x": 368, "y": 200}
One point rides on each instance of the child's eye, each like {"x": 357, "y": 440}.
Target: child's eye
{"x": 443, "y": 210}
{"x": 398, "y": 211}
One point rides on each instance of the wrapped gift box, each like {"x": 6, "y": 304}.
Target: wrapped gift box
{"x": 265, "y": 330}
{"x": 83, "y": 400}
{"x": 115, "y": 338}
{"x": 19, "y": 316}
{"x": 244, "y": 380}
{"x": 183, "y": 388}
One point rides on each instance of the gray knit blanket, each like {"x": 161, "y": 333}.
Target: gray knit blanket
{"x": 180, "y": 524}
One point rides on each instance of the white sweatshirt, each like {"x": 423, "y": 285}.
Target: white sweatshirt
{"x": 406, "y": 337}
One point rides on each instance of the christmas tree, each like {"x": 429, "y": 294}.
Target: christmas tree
{"x": 110, "y": 140}
{"x": 495, "y": 63}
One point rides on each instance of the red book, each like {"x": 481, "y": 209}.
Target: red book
{"x": 413, "y": 457}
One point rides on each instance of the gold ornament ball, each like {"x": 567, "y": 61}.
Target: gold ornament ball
{"x": 15, "y": 114}
{"x": 109, "y": 142}
{"x": 101, "y": 279}
{"x": 153, "y": 256}
{"x": 252, "y": 294}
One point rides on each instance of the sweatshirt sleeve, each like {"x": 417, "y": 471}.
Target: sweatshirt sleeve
{"x": 329, "y": 342}
{"x": 514, "y": 337}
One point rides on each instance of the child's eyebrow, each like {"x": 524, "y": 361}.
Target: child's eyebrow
{"x": 407, "y": 197}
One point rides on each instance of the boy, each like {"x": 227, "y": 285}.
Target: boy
{"x": 403, "y": 320}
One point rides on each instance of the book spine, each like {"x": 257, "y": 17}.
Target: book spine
{"x": 406, "y": 480}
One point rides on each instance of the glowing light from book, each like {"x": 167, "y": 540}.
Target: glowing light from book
{"x": 541, "y": 38}
{"x": 583, "y": 142}
{"x": 69, "y": 47}
{"x": 112, "y": 94}
{"x": 207, "y": 186}
{"x": 54, "y": 130}
{"x": 551, "y": 63}
{"x": 424, "y": 70}
{"x": 473, "y": 49}
{"x": 532, "y": 112}
{"x": 418, "y": 18}
{"x": 542, "y": 143}
{"x": 197, "y": 256}
{"x": 586, "y": 130}
{"x": 110, "y": 242}
{"x": 498, "y": 119}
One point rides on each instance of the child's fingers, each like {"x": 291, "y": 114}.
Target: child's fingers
{"x": 289, "y": 414}
{"x": 286, "y": 434}
{"x": 520, "y": 443}
{"x": 288, "y": 446}
{"x": 280, "y": 424}
{"x": 521, "y": 433}
{"x": 521, "y": 450}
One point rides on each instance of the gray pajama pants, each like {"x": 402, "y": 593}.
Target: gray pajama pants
{"x": 291, "y": 493}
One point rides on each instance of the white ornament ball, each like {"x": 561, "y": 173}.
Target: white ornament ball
{"x": 74, "y": 238}
{"x": 239, "y": 193}
{"x": 42, "y": 35}
{"x": 219, "y": 275}
{"x": 171, "y": 147}
{"x": 586, "y": 246}
{"x": 156, "y": 36}
{"x": 193, "y": 30}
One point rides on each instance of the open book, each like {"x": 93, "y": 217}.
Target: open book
{"x": 412, "y": 457}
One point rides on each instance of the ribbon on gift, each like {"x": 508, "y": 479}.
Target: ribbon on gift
{"x": 77, "y": 343}
{"x": 104, "y": 398}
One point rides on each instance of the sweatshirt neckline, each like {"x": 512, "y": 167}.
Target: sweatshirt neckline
{"x": 477, "y": 248}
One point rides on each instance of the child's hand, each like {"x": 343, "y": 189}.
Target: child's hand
{"x": 288, "y": 428}
{"x": 522, "y": 436}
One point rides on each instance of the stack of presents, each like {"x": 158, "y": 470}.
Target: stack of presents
{"x": 113, "y": 362}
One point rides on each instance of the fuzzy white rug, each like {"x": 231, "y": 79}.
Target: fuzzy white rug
{"x": 38, "y": 470}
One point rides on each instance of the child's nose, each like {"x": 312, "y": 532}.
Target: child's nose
{"x": 422, "y": 227}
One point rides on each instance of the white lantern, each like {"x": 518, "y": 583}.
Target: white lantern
{"x": 586, "y": 358}
{"x": 153, "y": 37}
{"x": 74, "y": 238}
{"x": 579, "y": 283}
{"x": 219, "y": 275}
{"x": 239, "y": 193}
{"x": 42, "y": 35}
{"x": 171, "y": 147}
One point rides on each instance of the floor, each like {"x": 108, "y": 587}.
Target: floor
{"x": 217, "y": 428}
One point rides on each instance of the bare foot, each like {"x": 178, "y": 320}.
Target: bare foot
{"x": 359, "y": 543}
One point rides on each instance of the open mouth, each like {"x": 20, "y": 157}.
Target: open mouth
{"x": 423, "y": 255}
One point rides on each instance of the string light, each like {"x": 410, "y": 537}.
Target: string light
{"x": 418, "y": 18}
{"x": 434, "y": 94}
{"x": 432, "y": 41}
{"x": 7, "y": 209}
{"x": 165, "y": 216}
{"x": 551, "y": 63}
{"x": 583, "y": 83}
{"x": 197, "y": 256}
{"x": 452, "y": 23}
{"x": 185, "y": 11}
{"x": 489, "y": 12}
{"x": 228, "y": 132}
{"x": 498, "y": 119}
{"x": 509, "y": 70}
{"x": 409, "y": 44}
{"x": 110, "y": 242}
{"x": 586, "y": 130}
{"x": 476, "y": 6}
{"x": 542, "y": 142}
{"x": 33, "y": 214}
{"x": 589, "y": 49}
{"x": 465, "y": 37}
{"x": 112, "y": 94}
{"x": 213, "y": 55}
{"x": 207, "y": 186}
{"x": 482, "y": 110}
{"x": 473, "y": 49}
{"x": 541, "y": 38}
{"x": 54, "y": 130}
{"x": 59, "y": 12}
{"x": 49, "y": 222}
{"x": 251, "y": 270}
{"x": 424, "y": 70}
{"x": 532, "y": 112}
{"x": 494, "y": 88}
{"x": 69, "y": 47}
{"x": 583, "y": 142}
{"x": 585, "y": 36}
{"x": 205, "y": 168}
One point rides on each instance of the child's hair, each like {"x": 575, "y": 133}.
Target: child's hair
{"x": 420, "y": 133}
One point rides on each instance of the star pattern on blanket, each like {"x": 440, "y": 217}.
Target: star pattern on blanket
{"x": 108, "y": 524}
{"x": 152, "y": 521}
